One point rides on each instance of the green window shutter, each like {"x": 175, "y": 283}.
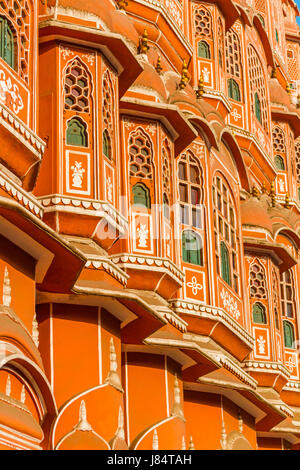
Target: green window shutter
{"x": 279, "y": 162}
{"x": 257, "y": 108}
{"x": 7, "y": 43}
{"x": 258, "y": 313}
{"x": 203, "y": 50}
{"x": 225, "y": 264}
{"x": 234, "y": 90}
{"x": 106, "y": 145}
{"x": 288, "y": 331}
{"x": 192, "y": 248}
{"x": 299, "y": 193}
{"x": 141, "y": 196}
{"x": 76, "y": 133}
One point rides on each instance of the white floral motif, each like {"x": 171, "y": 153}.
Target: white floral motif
{"x": 230, "y": 304}
{"x": 261, "y": 345}
{"x": 77, "y": 174}
{"x": 236, "y": 116}
{"x": 90, "y": 58}
{"x": 142, "y": 236}
{"x": 291, "y": 363}
{"x": 174, "y": 11}
{"x": 66, "y": 52}
{"x": 7, "y": 88}
{"x": 281, "y": 184}
{"x": 194, "y": 285}
{"x": 109, "y": 188}
{"x": 206, "y": 74}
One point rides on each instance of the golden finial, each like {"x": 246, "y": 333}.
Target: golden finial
{"x": 240, "y": 423}
{"x": 264, "y": 188}
{"x": 183, "y": 445}
{"x": 120, "y": 431}
{"x": 113, "y": 378}
{"x": 6, "y": 289}
{"x": 143, "y": 46}
{"x": 177, "y": 408}
{"x": 122, "y": 4}
{"x": 273, "y": 194}
{"x": 255, "y": 192}
{"x": 83, "y": 424}
{"x": 191, "y": 444}
{"x": 8, "y": 387}
{"x": 184, "y": 75}
{"x": 274, "y": 73}
{"x": 155, "y": 445}
{"x": 158, "y": 66}
{"x": 200, "y": 88}
{"x": 35, "y": 331}
{"x": 287, "y": 202}
{"x": 288, "y": 89}
{"x": 23, "y": 394}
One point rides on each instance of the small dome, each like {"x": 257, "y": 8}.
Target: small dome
{"x": 278, "y": 95}
{"x": 123, "y": 26}
{"x": 151, "y": 80}
{"x": 101, "y": 9}
{"x": 82, "y": 437}
{"x": 83, "y": 440}
{"x": 255, "y": 213}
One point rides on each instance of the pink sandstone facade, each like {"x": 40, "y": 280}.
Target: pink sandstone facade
{"x": 149, "y": 224}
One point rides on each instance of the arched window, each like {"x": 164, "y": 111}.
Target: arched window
{"x": 225, "y": 228}
{"x": 234, "y": 90}
{"x": 77, "y": 87}
{"x": 259, "y": 313}
{"x": 203, "y": 22}
{"x": 140, "y": 153}
{"x": 289, "y": 335}
{"x": 287, "y": 294}
{"x": 108, "y": 114}
{"x": 278, "y": 138}
{"x": 166, "y": 205}
{"x": 192, "y": 248}
{"x": 7, "y": 43}
{"x": 76, "y": 133}
{"x": 275, "y": 295}
{"x": 220, "y": 42}
{"x": 166, "y": 177}
{"x": 279, "y": 162}
{"x": 258, "y": 93}
{"x": 257, "y": 108}
{"x": 190, "y": 190}
{"x": 225, "y": 264}
{"x": 297, "y": 152}
{"x": 233, "y": 64}
{"x": 203, "y": 50}
{"x": 141, "y": 196}
{"x": 17, "y": 41}
{"x": 258, "y": 288}
{"x": 106, "y": 145}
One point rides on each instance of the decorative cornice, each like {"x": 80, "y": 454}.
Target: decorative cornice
{"x": 60, "y": 203}
{"x": 23, "y": 133}
{"x": 173, "y": 318}
{"x": 108, "y": 266}
{"x": 126, "y": 260}
{"x": 26, "y": 199}
{"x": 213, "y": 313}
{"x": 267, "y": 367}
{"x": 292, "y": 386}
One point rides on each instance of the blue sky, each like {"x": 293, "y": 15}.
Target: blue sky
{"x": 298, "y": 3}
